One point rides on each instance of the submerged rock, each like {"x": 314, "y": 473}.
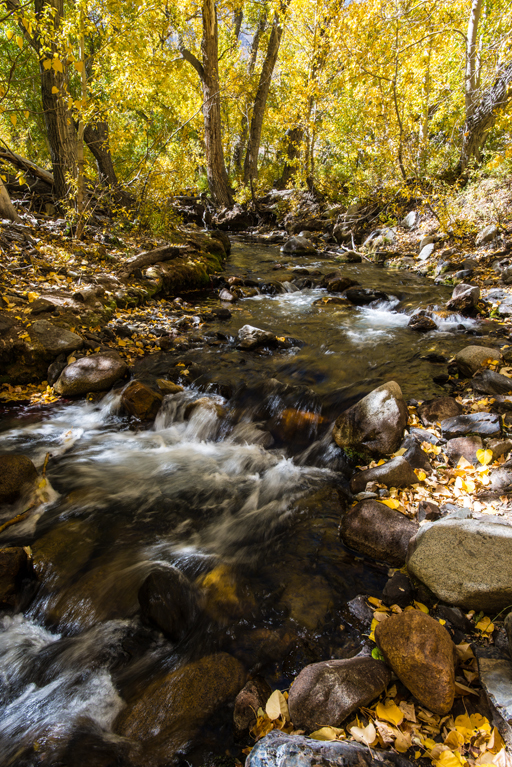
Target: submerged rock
{"x": 95, "y": 373}
{"x": 374, "y": 529}
{"x": 171, "y": 709}
{"x": 327, "y": 693}
{"x": 168, "y": 599}
{"x": 13, "y": 568}
{"x": 17, "y": 474}
{"x": 465, "y": 562}
{"x": 141, "y": 401}
{"x": 422, "y": 655}
{"x": 253, "y": 696}
{"x": 376, "y": 423}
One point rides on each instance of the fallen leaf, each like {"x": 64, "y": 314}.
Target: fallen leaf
{"x": 327, "y": 733}
{"x": 365, "y": 735}
{"x": 390, "y": 712}
{"x": 277, "y": 706}
{"x": 484, "y": 456}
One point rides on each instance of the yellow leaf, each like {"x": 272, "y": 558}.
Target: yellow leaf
{"x": 484, "y": 456}
{"x": 54, "y": 89}
{"x": 26, "y": 114}
{"x": 14, "y": 120}
{"x": 366, "y": 735}
{"x": 480, "y": 722}
{"x": 277, "y": 706}
{"x": 19, "y": 41}
{"x": 454, "y": 740}
{"x": 391, "y": 502}
{"x": 375, "y": 601}
{"x": 79, "y": 66}
{"x": 327, "y": 733}
{"x": 485, "y": 625}
{"x": 390, "y": 712}
{"x": 57, "y": 65}
{"x": 463, "y": 463}
{"x": 32, "y": 296}
{"x": 420, "y": 474}
{"x": 450, "y": 759}
{"x": 47, "y": 64}
{"x": 9, "y": 34}
{"x": 403, "y": 742}
{"x": 421, "y": 606}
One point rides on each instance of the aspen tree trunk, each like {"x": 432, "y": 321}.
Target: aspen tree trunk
{"x": 260, "y": 102}
{"x": 80, "y": 196}
{"x": 7, "y": 209}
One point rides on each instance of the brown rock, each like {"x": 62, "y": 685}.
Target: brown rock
{"x": 95, "y": 373}
{"x": 421, "y": 653}
{"x": 378, "y": 531}
{"x": 141, "y": 401}
{"x": 327, "y": 693}
{"x": 395, "y": 473}
{"x": 13, "y": 567}
{"x": 437, "y": 409}
{"x": 170, "y": 711}
{"x": 17, "y": 474}
{"x": 253, "y": 696}
{"x": 471, "y": 358}
{"x": 465, "y": 447}
{"x": 168, "y": 387}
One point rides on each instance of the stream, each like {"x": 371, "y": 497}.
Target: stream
{"x": 241, "y": 492}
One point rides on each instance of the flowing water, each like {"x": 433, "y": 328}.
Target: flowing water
{"x": 242, "y": 493}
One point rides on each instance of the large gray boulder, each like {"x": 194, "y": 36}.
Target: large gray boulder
{"x": 471, "y": 358}
{"x": 52, "y": 340}
{"x": 326, "y": 693}
{"x": 277, "y": 749}
{"x": 464, "y": 298}
{"x": 486, "y": 235}
{"x": 374, "y": 529}
{"x": 465, "y": 562}
{"x": 95, "y": 373}
{"x": 375, "y": 424}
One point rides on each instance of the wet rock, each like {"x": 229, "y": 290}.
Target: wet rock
{"x": 337, "y": 282}
{"x": 172, "y": 708}
{"x": 278, "y": 749}
{"x": 13, "y": 568}
{"x": 52, "y": 340}
{"x": 17, "y": 475}
{"x": 464, "y": 298}
{"x": 222, "y": 313}
{"x": 395, "y": 473}
{"x": 217, "y": 234}
{"x": 376, "y": 423}
{"x": 250, "y": 337}
{"x": 207, "y": 404}
{"x": 456, "y": 618}
{"x": 464, "y": 447}
{"x": 59, "y": 554}
{"x": 422, "y": 655}
{"x": 378, "y": 531}
{"x": 364, "y": 296}
{"x": 421, "y": 323}
{"x": 486, "y": 235}
{"x": 41, "y": 306}
{"x": 349, "y": 257}
{"x": 435, "y": 410}
{"x": 141, "y": 401}
{"x": 308, "y": 599}
{"x": 168, "y": 387}
{"x": 490, "y": 382}
{"x": 327, "y": 693}
{"x": 55, "y": 369}
{"x": 95, "y": 373}
{"x": 226, "y": 295}
{"x": 253, "y": 696}
{"x": 299, "y": 246}
{"x": 465, "y": 562}
{"x": 481, "y": 424}
{"x": 169, "y": 600}
{"x": 471, "y": 359}
{"x": 422, "y": 435}
{"x": 398, "y": 590}
{"x": 360, "y": 610}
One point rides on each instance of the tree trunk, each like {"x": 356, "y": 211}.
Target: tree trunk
{"x": 294, "y": 137}
{"x": 60, "y": 128}
{"x": 7, "y": 209}
{"x": 96, "y": 137}
{"x": 260, "y": 102}
{"x": 472, "y": 77}
{"x": 483, "y": 117}
{"x": 215, "y": 165}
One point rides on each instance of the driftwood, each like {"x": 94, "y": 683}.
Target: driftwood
{"x": 150, "y": 257}
{"x": 26, "y": 165}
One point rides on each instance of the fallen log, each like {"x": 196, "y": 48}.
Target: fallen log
{"x": 26, "y": 165}
{"x": 150, "y": 257}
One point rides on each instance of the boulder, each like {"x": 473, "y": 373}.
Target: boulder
{"x": 464, "y": 298}
{"x": 337, "y": 282}
{"x": 465, "y": 562}
{"x": 499, "y": 447}
{"x": 426, "y": 251}
{"x": 410, "y": 220}
{"x": 471, "y": 358}
{"x": 501, "y": 479}
{"x": 169, "y": 711}
{"x": 421, "y": 323}
{"x": 463, "y": 447}
{"x": 299, "y": 246}
{"x": 495, "y": 676}
{"x": 374, "y": 529}
{"x": 422, "y": 655}
{"x": 169, "y": 600}
{"x": 168, "y": 387}
{"x": 490, "y": 382}
{"x": 95, "y": 373}
{"x": 234, "y": 220}
{"x": 326, "y": 693}
{"x": 141, "y": 401}
{"x": 250, "y": 337}
{"x": 395, "y": 473}
{"x": 17, "y": 474}
{"x": 52, "y": 340}
{"x": 398, "y": 590}
{"x": 280, "y": 750}
{"x": 415, "y": 456}
{"x": 364, "y": 296}
{"x": 435, "y": 410}
{"x": 376, "y": 423}
{"x": 252, "y": 697}
{"x": 481, "y": 424}
{"x": 380, "y": 238}
{"x": 486, "y": 235}
{"x": 13, "y": 568}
